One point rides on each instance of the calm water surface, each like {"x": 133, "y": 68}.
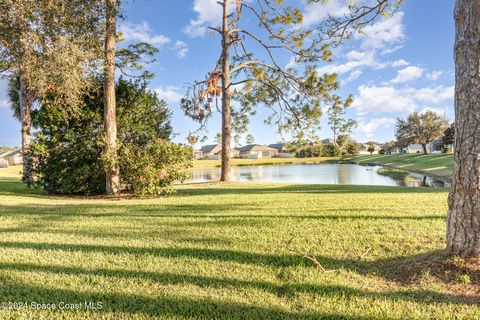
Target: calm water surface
{"x": 325, "y": 173}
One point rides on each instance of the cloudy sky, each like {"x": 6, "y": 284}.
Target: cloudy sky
{"x": 400, "y": 64}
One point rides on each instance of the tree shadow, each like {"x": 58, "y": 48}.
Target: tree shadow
{"x": 404, "y": 270}
{"x": 166, "y": 306}
{"x": 201, "y": 307}
{"x": 14, "y": 187}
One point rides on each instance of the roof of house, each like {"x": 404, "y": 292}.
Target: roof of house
{"x": 327, "y": 141}
{"x": 209, "y": 148}
{"x": 365, "y": 146}
{"x": 10, "y": 153}
{"x": 255, "y": 147}
{"x": 278, "y": 146}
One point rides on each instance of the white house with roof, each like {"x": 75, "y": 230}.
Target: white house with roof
{"x": 256, "y": 151}
{"x": 11, "y": 158}
{"x": 282, "y": 150}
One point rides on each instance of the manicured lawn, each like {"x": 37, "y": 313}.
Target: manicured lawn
{"x": 216, "y": 251}
{"x": 253, "y": 162}
{"x": 440, "y": 165}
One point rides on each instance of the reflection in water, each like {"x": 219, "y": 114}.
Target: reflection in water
{"x": 330, "y": 173}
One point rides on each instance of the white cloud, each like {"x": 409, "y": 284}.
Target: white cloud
{"x": 4, "y": 104}
{"x": 169, "y": 94}
{"x": 388, "y": 99}
{"x": 375, "y": 39}
{"x": 408, "y": 74}
{"x": 370, "y": 127}
{"x": 182, "y": 48}
{"x": 209, "y": 13}
{"x": 434, "y": 95}
{"x": 400, "y": 63}
{"x": 143, "y": 33}
{"x": 383, "y": 34}
{"x": 439, "y": 111}
{"x": 4, "y": 101}
{"x": 354, "y": 75}
{"x": 317, "y": 12}
{"x": 382, "y": 99}
{"x": 355, "y": 60}
{"x": 434, "y": 75}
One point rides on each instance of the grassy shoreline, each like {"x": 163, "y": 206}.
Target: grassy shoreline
{"x": 218, "y": 251}
{"x": 436, "y": 165}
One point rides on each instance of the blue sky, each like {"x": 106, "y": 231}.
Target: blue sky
{"x": 398, "y": 65}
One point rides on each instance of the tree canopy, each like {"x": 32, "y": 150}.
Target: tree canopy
{"x": 420, "y": 128}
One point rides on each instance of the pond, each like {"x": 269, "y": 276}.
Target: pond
{"x": 325, "y": 173}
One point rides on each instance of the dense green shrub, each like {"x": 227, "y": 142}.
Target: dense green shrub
{"x": 67, "y": 153}
{"x": 67, "y": 150}
{"x": 330, "y": 150}
{"x": 382, "y": 151}
{"x": 305, "y": 149}
{"x": 151, "y": 169}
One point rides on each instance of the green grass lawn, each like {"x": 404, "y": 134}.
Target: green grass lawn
{"x": 267, "y": 161}
{"x": 217, "y": 251}
{"x": 440, "y": 165}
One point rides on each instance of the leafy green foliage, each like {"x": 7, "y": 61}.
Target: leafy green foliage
{"x": 151, "y": 169}
{"x": 305, "y": 149}
{"x": 330, "y": 150}
{"x": 6, "y": 148}
{"x": 293, "y": 94}
{"x": 420, "y": 128}
{"x": 68, "y": 153}
{"x": 449, "y": 134}
{"x": 339, "y": 123}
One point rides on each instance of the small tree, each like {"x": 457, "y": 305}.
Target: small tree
{"x": 371, "y": 148}
{"x": 449, "y": 134}
{"x": 218, "y": 138}
{"x": 294, "y": 95}
{"x": 45, "y": 47}
{"x": 250, "y": 139}
{"x": 340, "y": 125}
{"x": 420, "y": 128}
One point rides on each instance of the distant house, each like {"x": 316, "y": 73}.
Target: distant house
{"x": 436, "y": 146}
{"x": 256, "y": 151}
{"x": 213, "y": 152}
{"x": 395, "y": 150}
{"x": 3, "y": 161}
{"x": 197, "y": 154}
{"x": 11, "y": 157}
{"x": 328, "y": 141}
{"x": 363, "y": 148}
{"x": 282, "y": 150}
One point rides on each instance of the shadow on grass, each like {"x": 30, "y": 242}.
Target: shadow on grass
{"x": 403, "y": 270}
{"x": 198, "y": 307}
{"x": 167, "y": 306}
{"x": 14, "y": 187}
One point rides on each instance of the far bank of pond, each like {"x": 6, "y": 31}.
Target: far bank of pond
{"x": 327, "y": 172}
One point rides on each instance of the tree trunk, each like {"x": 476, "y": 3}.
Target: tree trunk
{"x": 424, "y": 146}
{"x": 26, "y": 122}
{"x": 226, "y": 107}
{"x": 463, "y": 223}
{"x": 110, "y": 120}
